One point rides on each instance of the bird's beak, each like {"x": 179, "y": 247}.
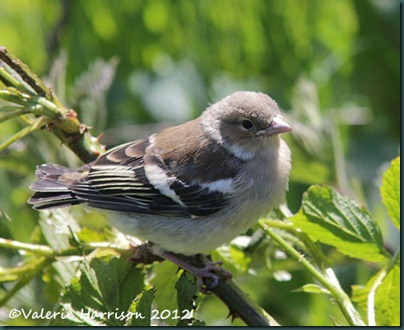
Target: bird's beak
{"x": 278, "y": 126}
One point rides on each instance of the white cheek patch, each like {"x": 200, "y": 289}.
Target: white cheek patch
{"x": 212, "y": 128}
{"x": 224, "y": 185}
{"x": 239, "y": 152}
{"x": 159, "y": 179}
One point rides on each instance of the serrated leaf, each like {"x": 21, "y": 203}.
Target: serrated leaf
{"x": 387, "y": 298}
{"x": 186, "y": 292}
{"x": 105, "y": 286}
{"x": 141, "y": 308}
{"x": 332, "y": 219}
{"x": 390, "y": 191}
{"x": 164, "y": 282}
{"x": 186, "y": 300}
{"x": 83, "y": 295}
{"x": 312, "y": 288}
{"x": 73, "y": 317}
{"x": 119, "y": 281}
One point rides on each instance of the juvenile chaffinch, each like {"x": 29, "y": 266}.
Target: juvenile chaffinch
{"x": 189, "y": 188}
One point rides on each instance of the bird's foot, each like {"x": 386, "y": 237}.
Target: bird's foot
{"x": 143, "y": 254}
{"x": 207, "y": 276}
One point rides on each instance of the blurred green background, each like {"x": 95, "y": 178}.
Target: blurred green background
{"x": 130, "y": 67}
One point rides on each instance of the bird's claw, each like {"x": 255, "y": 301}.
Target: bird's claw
{"x": 207, "y": 278}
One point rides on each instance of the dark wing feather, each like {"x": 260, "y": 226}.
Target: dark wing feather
{"x": 117, "y": 181}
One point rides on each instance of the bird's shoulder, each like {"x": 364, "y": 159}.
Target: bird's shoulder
{"x": 192, "y": 154}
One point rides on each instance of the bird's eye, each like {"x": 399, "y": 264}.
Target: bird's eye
{"x": 247, "y": 124}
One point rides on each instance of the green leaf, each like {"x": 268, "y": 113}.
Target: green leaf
{"x": 55, "y": 227}
{"x": 186, "y": 300}
{"x": 104, "y": 291}
{"x": 119, "y": 281}
{"x": 141, "y": 309}
{"x": 387, "y": 299}
{"x": 332, "y": 219}
{"x": 186, "y": 292}
{"x": 164, "y": 282}
{"x": 234, "y": 259}
{"x": 312, "y": 288}
{"x": 390, "y": 191}
{"x": 90, "y": 235}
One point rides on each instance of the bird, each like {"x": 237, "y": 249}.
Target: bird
{"x": 187, "y": 189}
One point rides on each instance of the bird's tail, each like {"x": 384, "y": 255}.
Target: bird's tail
{"x": 51, "y": 190}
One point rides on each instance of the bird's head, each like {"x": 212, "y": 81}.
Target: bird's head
{"x": 244, "y": 123}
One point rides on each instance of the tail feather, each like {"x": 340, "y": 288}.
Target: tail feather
{"x": 48, "y": 184}
{"x": 52, "y": 187}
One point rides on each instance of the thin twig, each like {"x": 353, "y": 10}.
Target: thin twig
{"x": 23, "y": 71}
{"x": 328, "y": 279}
{"x": 46, "y": 251}
{"x": 24, "y": 88}
{"x": 38, "y": 123}
{"x": 28, "y": 275}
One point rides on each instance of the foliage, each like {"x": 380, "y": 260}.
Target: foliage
{"x": 121, "y": 63}
{"x": 337, "y": 221}
{"x": 390, "y": 191}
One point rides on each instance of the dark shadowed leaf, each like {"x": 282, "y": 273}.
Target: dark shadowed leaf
{"x": 141, "y": 309}
{"x": 104, "y": 291}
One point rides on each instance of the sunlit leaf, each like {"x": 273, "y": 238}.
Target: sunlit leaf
{"x": 387, "y": 299}
{"x": 164, "y": 282}
{"x": 390, "y": 191}
{"x": 234, "y": 259}
{"x": 312, "y": 288}
{"x": 90, "y": 235}
{"x": 56, "y": 226}
{"x": 332, "y": 219}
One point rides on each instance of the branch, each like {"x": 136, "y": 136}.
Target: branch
{"x": 24, "y": 89}
{"x": 241, "y": 305}
{"x": 48, "y": 252}
{"x": 238, "y": 302}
